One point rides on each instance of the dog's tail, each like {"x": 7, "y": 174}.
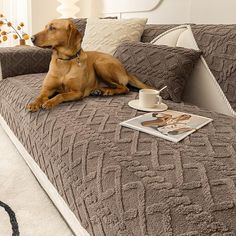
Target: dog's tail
{"x": 133, "y": 81}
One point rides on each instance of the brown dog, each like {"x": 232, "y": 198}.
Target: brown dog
{"x": 73, "y": 73}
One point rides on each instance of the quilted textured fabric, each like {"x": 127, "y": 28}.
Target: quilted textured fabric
{"x": 158, "y": 66}
{"x": 151, "y": 31}
{"x": 82, "y": 22}
{"x": 118, "y": 181}
{"x": 106, "y": 35}
{"x": 217, "y": 43}
{"x": 24, "y": 60}
{"x": 219, "y": 49}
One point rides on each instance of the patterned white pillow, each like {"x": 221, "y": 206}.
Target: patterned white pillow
{"x": 105, "y": 35}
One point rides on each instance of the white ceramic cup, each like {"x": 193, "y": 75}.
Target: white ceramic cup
{"x": 149, "y": 98}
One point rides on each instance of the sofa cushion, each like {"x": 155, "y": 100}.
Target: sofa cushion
{"x": 82, "y": 22}
{"x": 105, "y": 35}
{"x": 23, "y": 60}
{"x": 219, "y": 50}
{"x": 119, "y": 181}
{"x": 202, "y": 88}
{"x": 151, "y": 31}
{"x": 158, "y": 66}
{"x": 170, "y": 37}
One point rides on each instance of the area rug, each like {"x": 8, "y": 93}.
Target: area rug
{"x": 25, "y": 209}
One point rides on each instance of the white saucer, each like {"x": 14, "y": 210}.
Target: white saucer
{"x": 135, "y": 104}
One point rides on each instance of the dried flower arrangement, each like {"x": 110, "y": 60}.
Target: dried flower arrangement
{"x": 17, "y": 32}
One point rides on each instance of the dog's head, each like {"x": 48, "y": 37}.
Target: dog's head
{"x": 58, "y": 33}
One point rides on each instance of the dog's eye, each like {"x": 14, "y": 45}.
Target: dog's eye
{"x": 51, "y": 27}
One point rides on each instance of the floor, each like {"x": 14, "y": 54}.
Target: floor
{"x": 35, "y": 213}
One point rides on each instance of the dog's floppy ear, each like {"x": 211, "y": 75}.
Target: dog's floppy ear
{"x": 74, "y": 37}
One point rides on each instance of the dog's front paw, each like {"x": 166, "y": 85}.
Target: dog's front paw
{"x": 96, "y": 92}
{"x": 34, "y": 106}
{"x": 49, "y": 104}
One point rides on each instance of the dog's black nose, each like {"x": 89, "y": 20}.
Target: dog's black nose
{"x": 33, "y": 38}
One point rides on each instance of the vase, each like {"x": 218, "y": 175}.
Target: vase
{"x": 22, "y": 42}
{"x": 68, "y": 8}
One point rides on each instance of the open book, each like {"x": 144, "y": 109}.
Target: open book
{"x": 170, "y": 125}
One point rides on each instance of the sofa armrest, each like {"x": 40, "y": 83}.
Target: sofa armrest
{"x": 23, "y": 60}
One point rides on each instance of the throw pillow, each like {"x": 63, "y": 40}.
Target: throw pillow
{"x": 82, "y": 22}
{"x": 159, "y": 66}
{"x": 105, "y": 35}
{"x": 202, "y": 81}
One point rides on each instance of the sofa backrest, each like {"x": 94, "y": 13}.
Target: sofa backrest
{"x": 151, "y": 31}
{"x": 218, "y": 44}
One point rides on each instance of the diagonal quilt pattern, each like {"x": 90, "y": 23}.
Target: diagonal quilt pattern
{"x": 24, "y": 60}
{"x": 119, "y": 181}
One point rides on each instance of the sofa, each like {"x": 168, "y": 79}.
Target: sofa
{"x": 116, "y": 181}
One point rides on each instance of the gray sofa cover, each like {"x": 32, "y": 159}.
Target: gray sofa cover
{"x": 118, "y": 181}
{"x": 217, "y": 42}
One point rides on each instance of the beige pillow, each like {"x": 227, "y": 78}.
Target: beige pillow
{"x": 105, "y": 35}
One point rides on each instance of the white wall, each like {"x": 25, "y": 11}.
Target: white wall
{"x": 90, "y": 8}
{"x": 168, "y": 11}
{"x": 45, "y": 10}
{"x": 213, "y": 11}
{"x": 16, "y": 11}
{"x": 183, "y": 11}
{"x": 42, "y": 12}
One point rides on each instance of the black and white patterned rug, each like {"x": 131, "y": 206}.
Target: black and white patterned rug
{"x": 10, "y": 214}
{"x": 25, "y": 208}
